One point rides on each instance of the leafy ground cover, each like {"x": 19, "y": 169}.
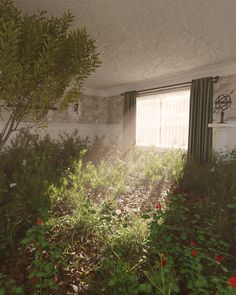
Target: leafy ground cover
{"x": 76, "y": 223}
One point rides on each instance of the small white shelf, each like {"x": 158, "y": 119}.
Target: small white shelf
{"x": 222, "y": 125}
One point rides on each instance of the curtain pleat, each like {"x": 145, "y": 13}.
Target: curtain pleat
{"x": 201, "y": 114}
{"x": 129, "y": 120}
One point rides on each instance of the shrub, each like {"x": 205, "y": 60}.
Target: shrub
{"x": 215, "y": 185}
{"x": 45, "y": 256}
{"x": 156, "y": 170}
{"x": 189, "y": 240}
{"x": 117, "y": 277}
{"x": 29, "y": 167}
{"x": 43, "y": 62}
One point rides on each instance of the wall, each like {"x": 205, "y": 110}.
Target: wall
{"x": 94, "y": 116}
{"x": 224, "y": 135}
{"x": 91, "y": 110}
{"x": 102, "y": 116}
{"x": 224, "y": 86}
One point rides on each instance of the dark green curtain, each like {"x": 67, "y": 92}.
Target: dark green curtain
{"x": 129, "y": 120}
{"x": 201, "y": 113}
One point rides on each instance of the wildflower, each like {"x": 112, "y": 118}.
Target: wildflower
{"x": 192, "y": 243}
{"x": 118, "y": 211}
{"x": 12, "y": 184}
{"x": 158, "y": 206}
{"x": 163, "y": 260}
{"x": 39, "y": 221}
{"x": 232, "y": 282}
{"x": 194, "y": 252}
{"x": 219, "y": 258}
{"x": 23, "y": 162}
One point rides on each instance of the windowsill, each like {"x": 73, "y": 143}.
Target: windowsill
{"x": 160, "y": 149}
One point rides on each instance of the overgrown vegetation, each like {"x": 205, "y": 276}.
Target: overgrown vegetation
{"x": 43, "y": 65}
{"x": 145, "y": 224}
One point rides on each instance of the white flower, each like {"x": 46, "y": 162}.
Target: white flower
{"x": 118, "y": 211}
{"x": 12, "y": 184}
{"x": 23, "y": 162}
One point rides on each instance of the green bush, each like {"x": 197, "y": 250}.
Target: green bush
{"x": 184, "y": 245}
{"x": 189, "y": 239}
{"x": 117, "y": 277}
{"x": 29, "y": 167}
{"x": 215, "y": 185}
{"x": 155, "y": 170}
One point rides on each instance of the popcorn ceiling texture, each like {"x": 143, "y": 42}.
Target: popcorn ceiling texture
{"x": 141, "y": 40}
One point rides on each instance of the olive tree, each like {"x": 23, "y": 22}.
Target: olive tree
{"x": 43, "y": 63}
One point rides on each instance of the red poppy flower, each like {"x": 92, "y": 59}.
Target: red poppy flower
{"x": 39, "y": 221}
{"x": 219, "y": 258}
{"x": 163, "y": 261}
{"x": 194, "y": 252}
{"x": 192, "y": 243}
{"x": 232, "y": 282}
{"x": 158, "y": 206}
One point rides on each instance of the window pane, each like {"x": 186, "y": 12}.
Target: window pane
{"x": 163, "y": 119}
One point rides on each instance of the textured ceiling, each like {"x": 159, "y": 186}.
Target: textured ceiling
{"x": 146, "y": 39}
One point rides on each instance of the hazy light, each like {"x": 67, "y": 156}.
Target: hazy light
{"x": 163, "y": 119}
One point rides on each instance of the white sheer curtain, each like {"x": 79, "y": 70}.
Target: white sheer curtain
{"x": 162, "y": 119}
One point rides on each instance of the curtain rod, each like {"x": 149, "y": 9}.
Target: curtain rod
{"x": 170, "y": 87}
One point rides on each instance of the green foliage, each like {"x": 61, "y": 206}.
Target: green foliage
{"x": 189, "y": 239}
{"x": 45, "y": 257}
{"x": 107, "y": 178}
{"x": 215, "y": 186}
{"x": 119, "y": 233}
{"x": 29, "y": 168}
{"x": 155, "y": 169}
{"x": 162, "y": 168}
{"x": 163, "y": 278}
{"x": 9, "y": 286}
{"x": 121, "y": 237}
{"x": 183, "y": 246}
{"x": 226, "y": 291}
{"x": 42, "y": 63}
{"x": 119, "y": 279}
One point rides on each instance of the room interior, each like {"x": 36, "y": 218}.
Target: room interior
{"x": 117, "y": 147}
{"x": 144, "y": 46}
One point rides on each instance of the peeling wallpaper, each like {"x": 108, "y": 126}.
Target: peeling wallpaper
{"x": 91, "y": 110}
{"x": 94, "y": 116}
{"x": 108, "y": 110}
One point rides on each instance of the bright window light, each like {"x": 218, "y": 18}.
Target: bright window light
{"x": 163, "y": 119}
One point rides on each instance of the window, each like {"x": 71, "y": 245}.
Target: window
{"x": 163, "y": 119}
